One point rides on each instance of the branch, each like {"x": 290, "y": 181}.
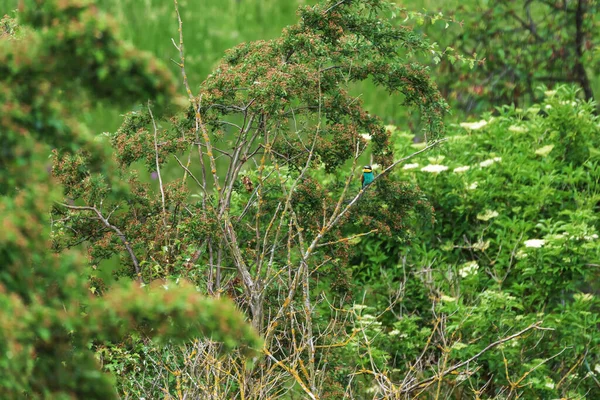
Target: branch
{"x": 334, "y": 6}
{"x": 160, "y": 183}
{"x": 584, "y": 81}
{"x": 182, "y": 54}
{"x": 186, "y": 169}
{"x": 120, "y": 234}
{"x": 384, "y": 172}
{"x": 476, "y": 356}
{"x": 528, "y": 26}
{"x": 347, "y": 239}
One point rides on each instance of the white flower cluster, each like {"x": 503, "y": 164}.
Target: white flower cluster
{"x": 468, "y": 268}
{"x": 473, "y": 126}
{"x": 410, "y": 166}
{"x": 489, "y": 162}
{"x": 487, "y": 215}
{"x": 535, "y": 243}
{"x": 544, "y": 151}
{"x": 462, "y": 169}
{"x": 517, "y": 129}
{"x": 436, "y": 160}
{"x": 568, "y": 103}
{"x": 369, "y": 320}
{"x": 434, "y": 168}
{"x": 447, "y": 299}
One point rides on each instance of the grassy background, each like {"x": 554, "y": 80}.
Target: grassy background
{"x": 210, "y": 28}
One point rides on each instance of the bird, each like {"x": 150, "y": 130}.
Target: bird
{"x": 367, "y": 176}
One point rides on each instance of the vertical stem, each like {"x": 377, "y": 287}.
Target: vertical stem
{"x": 309, "y": 331}
{"x": 160, "y": 183}
{"x": 579, "y": 38}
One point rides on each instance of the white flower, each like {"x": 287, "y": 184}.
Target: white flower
{"x": 544, "y": 151}
{"x": 549, "y": 93}
{"x": 517, "y": 129}
{"x": 436, "y": 160}
{"x": 481, "y": 245}
{"x": 474, "y": 125}
{"x": 536, "y": 243}
{"x": 434, "y": 168}
{"x": 489, "y": 162}
{"x": 461, "y": 169}
{"x": 583, "y": 297}
{"x": 368, "y": 317}
{"x": 548, "y": 106}
{"x": 365, "y": 136}
{"x": 521, "y": 255}
{"x": 473, "y": 186}
{"x": 447, "y": 299}
{"x": 487, "y": 215}
{"x": 597, "y": 368}
{"x": 394, "y": 332}
{"x": 410, "y": 166}
{"x": 568, "y": 103}
{"x": 468, "y": 268}
{"x": 593, "y": 236}
{"x": 390, "y": 128}
{"x": 549, "y": 385}
{"x": 375, "y": 166}
{"x": 359, "y": 307}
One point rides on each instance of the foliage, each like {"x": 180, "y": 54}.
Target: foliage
{"x": 252, "y": 193}
{"x": 515, "y": 242}
{"x": 47, "y": 314}
{"x": 522, "y": 45}
{"x": 271, "y": 141}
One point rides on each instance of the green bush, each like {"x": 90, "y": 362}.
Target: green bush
{"x": 516, "y": 199}
{"x": 48, "y": 317}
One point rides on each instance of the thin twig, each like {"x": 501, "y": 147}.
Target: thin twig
{"x": 120, "y": 234}
{"x": 490, "y": 346}
{"x": 160, "y": 183}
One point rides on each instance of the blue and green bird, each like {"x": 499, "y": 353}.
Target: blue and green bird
{"x": 367, "y": 176}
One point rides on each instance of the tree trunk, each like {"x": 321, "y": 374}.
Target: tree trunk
{"x": 580, "y": 72}
{"x": 257, "y": 307}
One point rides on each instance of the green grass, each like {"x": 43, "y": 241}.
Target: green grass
{"x": 210, "y": 28}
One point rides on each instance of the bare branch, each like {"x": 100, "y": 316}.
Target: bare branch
{"x": 119, "y": 233}
{"x": 160, "y": 182}
{"x": 490, "y": 346}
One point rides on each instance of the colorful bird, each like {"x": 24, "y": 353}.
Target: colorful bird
{"x": 367, "y": 176}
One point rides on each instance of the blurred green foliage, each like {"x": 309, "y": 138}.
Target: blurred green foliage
{"x": 62, "y": 53}
{"x": 521, "y": 45}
